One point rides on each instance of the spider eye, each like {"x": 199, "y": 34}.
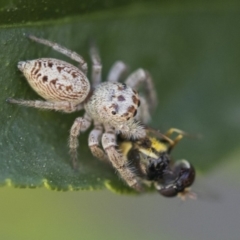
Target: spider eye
{"x": 124, "y": 85}
{"x": 139, "y": 103}
{"x": 113, "y": 113}
{"x": 135, "y": 113}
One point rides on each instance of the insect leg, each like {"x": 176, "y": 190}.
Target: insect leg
{"x": 180, "y": 135}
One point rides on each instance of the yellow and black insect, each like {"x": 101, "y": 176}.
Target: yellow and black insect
{"x": 150, "y": 158}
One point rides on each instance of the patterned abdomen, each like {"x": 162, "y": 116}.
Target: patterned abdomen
{"x": 56, "y": 80}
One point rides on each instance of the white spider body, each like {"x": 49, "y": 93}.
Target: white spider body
{"x": 112, "y": 106}
{"x": 115, "y": 104}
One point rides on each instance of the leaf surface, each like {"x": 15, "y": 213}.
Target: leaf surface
{"x": 192, "y": 54}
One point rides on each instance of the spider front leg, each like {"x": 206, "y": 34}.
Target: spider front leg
{"x": 80, "y": 124}
{"x": 118, "y": 69}
{"x": 57, "y": 106}
{"x": 94, "y": 140}
{"x": 139, "y": 77}
{"x": 118, "y": 161}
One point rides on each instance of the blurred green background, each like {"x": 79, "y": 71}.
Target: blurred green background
{"x": 192, "y": 50}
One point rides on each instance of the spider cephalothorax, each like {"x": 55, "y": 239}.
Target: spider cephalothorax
{"x": 113, "y": 107}
{"x": 116, "y": 104}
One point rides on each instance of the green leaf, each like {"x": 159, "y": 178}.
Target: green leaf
{"x": 23, "y": 12}
{"x": 192, "y": 53}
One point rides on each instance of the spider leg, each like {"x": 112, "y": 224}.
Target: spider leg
{"x": 143, "y": 114}
{"x": 81, "y": 124}
{"x": 57, "y": 106}
{"x": 118, "y": 161}
{"x": 67, "y": 52}
{"x": 96, "y": 64}
{"x": 93, "y": 142}
{"x": 139, "y": 77}
{"x": 117, "y": 71}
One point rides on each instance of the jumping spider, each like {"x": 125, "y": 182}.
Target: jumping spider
{"x": 113, "y": 107}
{"x": 150, "y": 158}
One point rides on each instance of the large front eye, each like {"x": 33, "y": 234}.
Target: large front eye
{"x": 168, "y": 192}
{"x": 185, "y": 172}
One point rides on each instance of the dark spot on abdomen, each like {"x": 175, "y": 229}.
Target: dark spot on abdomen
{"x": 54, "y": 81}
{"x": 45, "y": 78}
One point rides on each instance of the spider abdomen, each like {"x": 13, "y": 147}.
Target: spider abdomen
{"x": 56, "y": 80}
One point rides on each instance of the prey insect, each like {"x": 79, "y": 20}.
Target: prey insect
{"x": 111, "y": 106}
{"x": 150, "y": 158}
